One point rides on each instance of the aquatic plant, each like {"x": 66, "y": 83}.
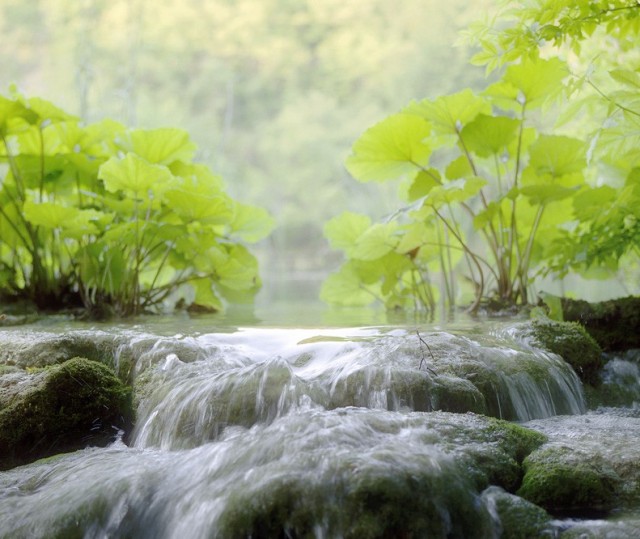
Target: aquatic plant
{"x": 115, "y": 218}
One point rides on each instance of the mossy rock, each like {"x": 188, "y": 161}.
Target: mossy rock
{"x": 613, "y": 323}
{"x": 65, "y": 407}
{"x": 565, "y": 481}
{"x": 36, "y": 349}
{"x": 571, "y": 342}
{"x": 428, "y": 483}
{"x": 458, "y": 395}
{"x": 519, "y": 518}
{"x": 516, "y": 443}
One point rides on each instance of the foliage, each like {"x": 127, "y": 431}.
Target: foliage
{"x": 114, "y": 215}
{"x": 597, "y": 40}
{"x": 272, "y": 91}
{"x": 488, "y": 187}
{"x": 478, "y": 177}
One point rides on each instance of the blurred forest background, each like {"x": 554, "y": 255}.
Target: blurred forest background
{"x": 273, "y": 91}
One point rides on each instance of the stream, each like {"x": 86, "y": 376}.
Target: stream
{"x": 326, "y": 432}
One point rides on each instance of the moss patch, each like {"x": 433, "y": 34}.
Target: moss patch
{"x": 519, "y": 519}
{"x": 566, "y": 481}
{"x": 571, "y": 342}
{"x": 613, "y": 323}
{"x": 63, "y": 408}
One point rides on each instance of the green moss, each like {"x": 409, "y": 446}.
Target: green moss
{"x": 516, "y": 443}
{"x": 516, "y": 440}
{"x": 66, "y": 407}
{"x": 519, "y": 519}
{"x": 361, "y": 505}
{"x": 458, "y": 395}
{"x": 571, "y": 342}
{"x": 564, "y": 481}
{"x": 613, "y": 323}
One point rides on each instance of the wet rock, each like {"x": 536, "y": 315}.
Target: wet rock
{"x": 572, "y": 343}
{"x": 517, "y": 518}
{"x": 35, "y": 349}
{"x": 60, "y": 408}
{"x": 452, "y": 394}
{"x": 620, "y": 381}
{"x": 351, "y": 473}
{"x": 613, "y": 323}
{"x": 380, "y": 490}
{"x": 565, "y": 480}
{"x": 590, "y": 465}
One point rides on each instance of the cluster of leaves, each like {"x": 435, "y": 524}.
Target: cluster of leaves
{"x": 598, "y": 41}
{"x": 478, "y": 178}
{"x": 107, "y": 215}
{"x": 487, "y": 191}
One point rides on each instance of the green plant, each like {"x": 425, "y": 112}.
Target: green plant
{"x": 491, "y": 186}
{"x": 114, "y": 216}
{"x": 479, "y": 179}
{"x": 597, "y": 41}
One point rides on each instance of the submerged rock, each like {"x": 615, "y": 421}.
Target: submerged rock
{"x": 60, "y": 408}
{"x": 191, "y": 389}
{"x": 350, "y": 472}
{"x": 623, "y": 527}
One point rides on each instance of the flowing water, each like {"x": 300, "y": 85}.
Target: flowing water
{"x": 321, "y": 432}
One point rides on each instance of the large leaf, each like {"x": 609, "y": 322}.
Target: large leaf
{"x": 546, "y": 193}
{"x": 620, "y": 143}
{"x": 626, "y": 77}
{"x": 414, "y": 236}
{"x": 489, "y": 135}
{"x": 237, "y": 268}
{"x": 423, "y": 183}
{"x": 205, "y": 295}
{"x": 195, "y": 201}
{"x": 458, "y": 168}
{"x": 530, "y": 83}
{"x": 47, "y": 111}
{"x": 197, "y": 171}
{"x": 345, "y": 288}
{"x": 133, "y": 174}
{"x": 455, "y": 191}
{"x": 74, "y": 221}
{"x": 161, "y": 146}
{"x": 376, "y": 241}
{"x": 344, "y": 230}
{"x": 11, "y": 109}
{"x": 391, "y": 149}
{"x": 557, "y": 156}
{"x": 250, "y": 223}
{"x": 38, "y": 141}
{"x": 450, "y": 113}
{"x": 103, "y": 267}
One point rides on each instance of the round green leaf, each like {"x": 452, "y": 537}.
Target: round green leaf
{"x": 391, "y": 149}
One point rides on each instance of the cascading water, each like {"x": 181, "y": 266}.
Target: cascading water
{"x": 254, "y": 377}
{"x": 304, "y": 433}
